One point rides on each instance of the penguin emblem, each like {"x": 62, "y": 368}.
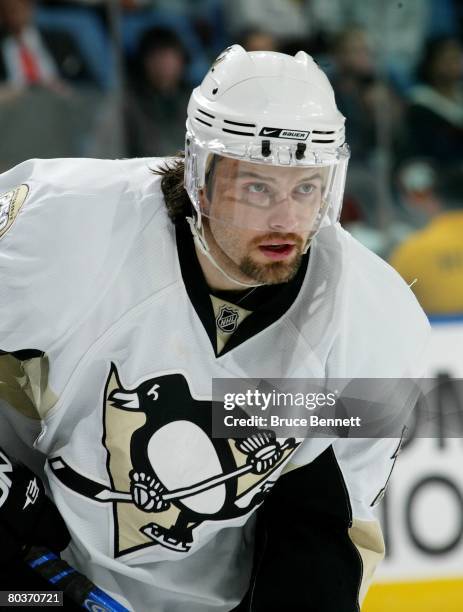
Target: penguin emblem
{"x": 167, "y": 474}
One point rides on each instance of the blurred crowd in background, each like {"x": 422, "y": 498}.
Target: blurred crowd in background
{"x": 112, "y": 79}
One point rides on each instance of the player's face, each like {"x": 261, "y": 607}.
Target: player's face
{"x": 259, "y": 217}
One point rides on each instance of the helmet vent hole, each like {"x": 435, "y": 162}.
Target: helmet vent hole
{"x": 250, "y": 125}
{"x": 238, "y": 133}
{"x": 203, "y": 122}
{"x": 326, "y": 137}
{"x": 204, "y": 113}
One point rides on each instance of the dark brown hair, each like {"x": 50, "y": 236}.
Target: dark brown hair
{"x": 172, "y": 184}
{"x": 177, "y": 200}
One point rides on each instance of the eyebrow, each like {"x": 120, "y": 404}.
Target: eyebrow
{"x": 249, "y": 174}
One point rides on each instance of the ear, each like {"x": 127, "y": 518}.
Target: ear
{"x": 204, "y": 203}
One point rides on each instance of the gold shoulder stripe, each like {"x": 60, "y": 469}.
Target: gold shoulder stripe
{"x": 10, "y": 205}
{"x": 24, "y": 385}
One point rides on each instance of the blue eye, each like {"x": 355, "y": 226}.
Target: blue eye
{"x": 257, "y": 188}
{"x": 306, "y": 188}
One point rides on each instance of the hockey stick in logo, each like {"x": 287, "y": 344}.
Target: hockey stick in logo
{"x": 100, "y": 492}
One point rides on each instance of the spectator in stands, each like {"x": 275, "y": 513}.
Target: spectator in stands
{"x": 126, "y": 4}
{"x": 32, "y": 56}
{"x": 434, "y": 119}
{"x": 283, "y": 18}
{"x": 417, "y": 180}
{"x": 256, "y": 39}
{"x": 156, "y": 105}
{"x": 360, "y": 93}
{"x": 397, "y": 30}
{"x": 42, "y": 114}
{"x": 434, "y": 255}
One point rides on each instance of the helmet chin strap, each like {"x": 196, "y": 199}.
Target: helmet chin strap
{"x": 200, "y": 241}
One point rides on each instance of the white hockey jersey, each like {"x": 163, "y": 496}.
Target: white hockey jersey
{"x": 90, "y": 278}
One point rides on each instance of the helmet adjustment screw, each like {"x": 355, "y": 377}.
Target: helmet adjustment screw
{"x": 266, "y": 148}
{"x": 300, "y": 150}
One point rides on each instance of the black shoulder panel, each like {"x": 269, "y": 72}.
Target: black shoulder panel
{"x": 304, "y": 558}
{"x": 24, "y": 354}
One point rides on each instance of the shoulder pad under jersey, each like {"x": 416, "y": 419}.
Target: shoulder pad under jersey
{"x": 63, "y": 224}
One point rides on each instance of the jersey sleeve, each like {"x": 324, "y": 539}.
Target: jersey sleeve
{"x": 67, "y": 226}
{"x": 42, "y": 268}
{"x": 366, "y": 465}
{"x": 391, "y": 334}
{"x": 39, "y": 268}
{"x": 23, "y": 385}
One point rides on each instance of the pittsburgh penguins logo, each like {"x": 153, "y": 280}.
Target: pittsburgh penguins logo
{"x": 227, "y": 320}
{"x": 167, "y": 475}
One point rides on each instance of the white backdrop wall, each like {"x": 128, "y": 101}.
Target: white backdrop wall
{"x": 422, "y": 513}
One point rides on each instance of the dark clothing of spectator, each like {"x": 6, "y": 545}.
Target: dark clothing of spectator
{"x": 435, "y": 126}
{"x": 156, "y": 106}
{"x": 51, "y": 55}
{"x": 360, "y": 123}
{"x": 361, "y": 95}
{"x": 155, "y": 122}
{"x": 434, "y": 120}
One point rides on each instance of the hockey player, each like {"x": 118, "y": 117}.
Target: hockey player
{"x": 126, "y": 286}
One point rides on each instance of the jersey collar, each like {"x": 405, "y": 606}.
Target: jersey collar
{"x": 267, "y": 303}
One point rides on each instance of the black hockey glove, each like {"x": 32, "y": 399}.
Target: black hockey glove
{"x": 27, "y": 516}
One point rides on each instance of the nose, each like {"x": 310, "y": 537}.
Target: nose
{"x": 283, "y": 217}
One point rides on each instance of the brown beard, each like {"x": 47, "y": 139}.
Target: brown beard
{"x": 274, "y": 272}
{"x": 271, "y": 273}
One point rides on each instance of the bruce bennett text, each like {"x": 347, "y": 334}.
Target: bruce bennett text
{"x": 277, "y": 421}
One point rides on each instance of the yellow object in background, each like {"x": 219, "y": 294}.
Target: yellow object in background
{"x": 429, "y": 596}
{"x": 434, "y": 256}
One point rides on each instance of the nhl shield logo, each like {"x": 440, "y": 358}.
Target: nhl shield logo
{"x": 227, "y": 321}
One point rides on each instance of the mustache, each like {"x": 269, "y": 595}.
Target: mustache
{"x": 290, "y": 237}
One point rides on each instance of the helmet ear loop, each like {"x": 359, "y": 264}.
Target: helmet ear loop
{"x": 198, "y": 221}
{"x": 321, "y": 214}
{"x": 203, "y": 193}
{"x": 198, "y": 211}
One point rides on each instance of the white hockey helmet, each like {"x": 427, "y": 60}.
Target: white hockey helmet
{"x": 270, "y": 109}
